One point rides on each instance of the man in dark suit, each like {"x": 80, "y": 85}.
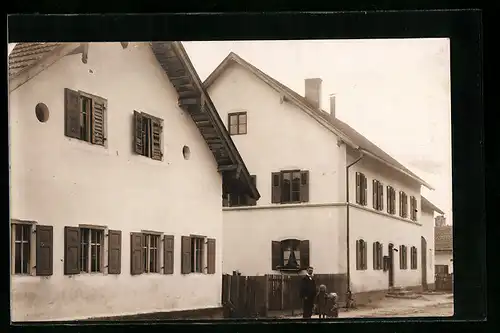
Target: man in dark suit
{"x": 308, "y": 293}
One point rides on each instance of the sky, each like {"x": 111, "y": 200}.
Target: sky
{"x": 396, "y": 92}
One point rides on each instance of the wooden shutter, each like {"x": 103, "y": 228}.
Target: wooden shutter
{"x": 374, "y": 255}
{"x": 400, "y": 203}
{"x": 211, "y": 255}
{"x": 114, "y": 252}
{"x": 139, "y": 134}
{"x": 44, "y": 250}
{"x": 304, "y": 186}
{"x": 365, "y": 255}
{"x": 388, "y": 199}
{"x": 381, "y": 196}
{"x": 72, "y": 113}
{"x": 185, "y": 255}
{"x": 252, "y": 201}
{"x": 364, "y": 189}
{"x": 276, "y": 187}
{"x": 276, "y": 254}
{"x": 156, "y": 139}
{"x": 393, "y": 201}
{"x": 358, "y": 266}
{"x": 99, "y": 106}
{"x": 304, "y": 250}
{"x": 358, "y": 188}
{"x": 168, "y": 254}
{"x": 136, "y": 253}
{"x": 71, "y": 250}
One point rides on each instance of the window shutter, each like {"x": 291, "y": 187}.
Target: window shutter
{"x": 393, "y": 201}
{"x": 71, "y": 250}
{"x": 276, "y": 255}
{"x": 114, "y": 252}
{"x": 358, "y": 265}
{"x": 365, "y": 255}
{"x": 99, "y": 106}
{"x": 388, "y": 199}
{"x": 168, "y": 254}
{"x": 185, "y": 255}
{"x": 375, "y": 193}
{"x": 44, "y": 250}
{"x": 375, "y": 255}
{"x": 252, "y": 201}
{"x": 400, "y": 203}
{"x": 157, "y": 153}
{"x": 211, "y": 255}
{"x": 276, "y": 187}
{"x": 225, "y": 202}
{"x": 304, "y": 254}
{"x": 136, "y": 253}
{"x": 72, "y": 113}
{"x": 380, "y": 197}
{"x": 358, "y": 188}
{"x": 139, "y": 134}
{"x": 304, "y": 186}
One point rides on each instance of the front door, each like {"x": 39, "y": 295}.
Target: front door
{"x": 423, "y": 255}
{"x": 391, "y": 266}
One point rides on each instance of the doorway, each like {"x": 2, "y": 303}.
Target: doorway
{"x": 423, "y": 255}
{"x": 391, "y": 265}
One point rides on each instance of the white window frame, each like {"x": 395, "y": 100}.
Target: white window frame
{"x": 32, "y": 247}
{"x": 204, "y": 254}
{"x": 104, "y": 249}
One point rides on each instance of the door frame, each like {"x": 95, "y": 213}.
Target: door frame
{"x": 423, "y": 262}
{"x": 391, "y": 265}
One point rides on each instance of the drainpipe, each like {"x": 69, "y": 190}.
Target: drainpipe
{"x": 349, "y": 294}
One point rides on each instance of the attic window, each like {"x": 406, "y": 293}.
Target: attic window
{"x": 42, "y": 112}
{"x": 186, "y": 152}
{"x": 237, "y": 123}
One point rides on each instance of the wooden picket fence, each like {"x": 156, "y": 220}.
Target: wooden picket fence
{"x": 256, "y": 296}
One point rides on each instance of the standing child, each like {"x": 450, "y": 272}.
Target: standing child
{"x": 321, "y": 301}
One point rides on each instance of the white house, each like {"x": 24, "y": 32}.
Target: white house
{"x": 300, "y": 156}
{"x": 444, "y": 249}
{"x": 117, "y": 162}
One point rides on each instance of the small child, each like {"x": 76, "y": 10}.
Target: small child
{"x": 333, "y": 309}
{"x": 321, "y": 301}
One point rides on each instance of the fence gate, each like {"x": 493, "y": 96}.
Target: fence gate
{"x": 244, "y": 296}
{"x": 444, "y": 282}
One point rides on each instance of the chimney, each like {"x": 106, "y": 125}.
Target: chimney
{"x": 332, "y": 105}
{"x": 440, "y": 221}
{"x": 313, "y": 91}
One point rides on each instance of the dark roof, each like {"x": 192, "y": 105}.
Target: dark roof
{"x": 443, "y": 238}
{"x": 192, "y": 98}
{"x": 25, "y": 55}
{"x": 345, "y": 130}
{"x": 427, "y": 204}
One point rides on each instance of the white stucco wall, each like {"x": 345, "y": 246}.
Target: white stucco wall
{"x": 281, "y": 137}
{"x": 370, "y": 225}
{"x": 445, "y": 258}
{"x": 62, "y": 182}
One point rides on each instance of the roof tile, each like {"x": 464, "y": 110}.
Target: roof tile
{"x": 25, "y": 55}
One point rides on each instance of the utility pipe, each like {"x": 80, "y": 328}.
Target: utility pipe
{"x": 347, "y": 224}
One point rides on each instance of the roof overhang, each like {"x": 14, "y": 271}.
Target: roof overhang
{"x": 427, "y": 204}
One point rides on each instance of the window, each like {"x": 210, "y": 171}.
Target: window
{"x": 91, "y": 250}
{"x": 148, "y": 136}
{"x": 378, "y": 256}
{"x": 441, "y": 269}
{"x": 413, "y": 208}
{"x": 198, "y": 253}
{"x": 21, "y": 236}
{"x": 378, "y": 195}
{"x": 85, "y": 117}
{"x": 237, "y": 123}
{"x": 403, "y": 204}
{"x": 360, "y": 189}
{"x": 361, "y": 255}
{"x": 391, "y": 200}
{"x": 290, "y": 187}
{"x": 290, "y": 254}
{"x": 237, "y": 200}
{"x": 413, "y": 257}
{"x": 151, "y": 253}
{"x": 27, "y": 237}
{"x": 403, "y": 257}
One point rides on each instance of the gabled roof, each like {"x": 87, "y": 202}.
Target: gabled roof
{"x": 425, "y": 203}
{"x": 443, "y": 238}
{"x": 28, "y": 59}
{"x": 346, "y": 133}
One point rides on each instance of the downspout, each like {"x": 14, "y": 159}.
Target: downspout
{"x": 349, "y": 294}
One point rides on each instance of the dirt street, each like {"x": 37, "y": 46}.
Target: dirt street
{"x": 427, "y": 305}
